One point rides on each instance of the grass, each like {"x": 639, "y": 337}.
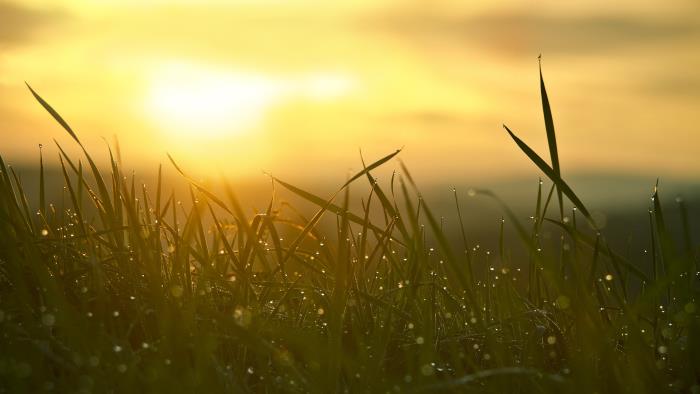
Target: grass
{"x": 117, "y": 288}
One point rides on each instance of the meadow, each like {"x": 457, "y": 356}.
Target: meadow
{"x": 119, "y": 287}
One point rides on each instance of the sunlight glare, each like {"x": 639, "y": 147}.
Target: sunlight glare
{"x": 203, "y": 103}
{"x": 327, "y": 86}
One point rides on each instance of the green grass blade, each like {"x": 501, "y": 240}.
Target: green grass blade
{"x": 372, "y": 166}
{"x": 55, "y": 114}
{"x": 316, "y": 200}
{"x": 197, "y": 186}
{"x": 554, "y": 177}
{"x": 42, "y": 183}
{"x": 551, "y": 138}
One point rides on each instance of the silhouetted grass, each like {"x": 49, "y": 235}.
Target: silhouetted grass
{"x": 117, "y": 288}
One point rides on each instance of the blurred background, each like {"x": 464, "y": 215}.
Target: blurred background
{"x": 298, "y": 87}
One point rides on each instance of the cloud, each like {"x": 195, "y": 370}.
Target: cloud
{"x": 682, "y": 86}
{"x": 431, "y": 118}
{"x": 18, "y": 23}
{"x": 518, "y": 32}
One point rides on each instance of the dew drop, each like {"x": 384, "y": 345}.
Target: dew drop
{"x": 563, "y": 302}
{"x": 176, "y": 291}
{"x": 48, "y": 320}
{"x": 689, "y": 308}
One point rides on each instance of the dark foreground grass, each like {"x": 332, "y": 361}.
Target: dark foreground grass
{"x": 116, "y": 288}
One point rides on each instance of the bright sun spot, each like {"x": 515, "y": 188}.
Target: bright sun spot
{"x": 207, "y": 103}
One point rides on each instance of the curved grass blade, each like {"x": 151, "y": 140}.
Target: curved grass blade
{"x": 327, "y": 204}
{"x": 539, "y": 162}
{"x": 64, "y": 124}
{"x": 199, "y": 187}
{"x": 55, "y": 114}
{"x": 370, "y": 168}
{"x": 322, "y": 203}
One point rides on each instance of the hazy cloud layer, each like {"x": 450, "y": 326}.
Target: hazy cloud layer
{"x": 18, "y": 23}
{"x": 672, "y": 85}
{"x": 522, "y": 32}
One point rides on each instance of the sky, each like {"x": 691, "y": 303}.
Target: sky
{"x": 298, "y": 88}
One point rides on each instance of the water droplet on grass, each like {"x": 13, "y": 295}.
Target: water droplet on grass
{"x": 48, "y": 320}
{"x": 176, "y": 291}
{"x": 563, "y": 302}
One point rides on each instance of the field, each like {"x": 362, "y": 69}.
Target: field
{"x": 116, "y": 287}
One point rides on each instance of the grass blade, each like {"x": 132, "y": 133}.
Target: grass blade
{"x": 554, "y": 177}
{"x": 551, "y": 138}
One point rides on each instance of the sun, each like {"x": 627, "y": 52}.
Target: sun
{"x": 202, "y": 103}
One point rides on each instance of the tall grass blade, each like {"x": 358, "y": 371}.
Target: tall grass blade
{"x": 53, "y": 113}
{"x": 551, "y": 137}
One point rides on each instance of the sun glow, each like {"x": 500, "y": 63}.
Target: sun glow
{"x": 197, "y": 102}
{"x": 203, "y": 103}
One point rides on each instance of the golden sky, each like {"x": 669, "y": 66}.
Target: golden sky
{"x": 297, "y": 87}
